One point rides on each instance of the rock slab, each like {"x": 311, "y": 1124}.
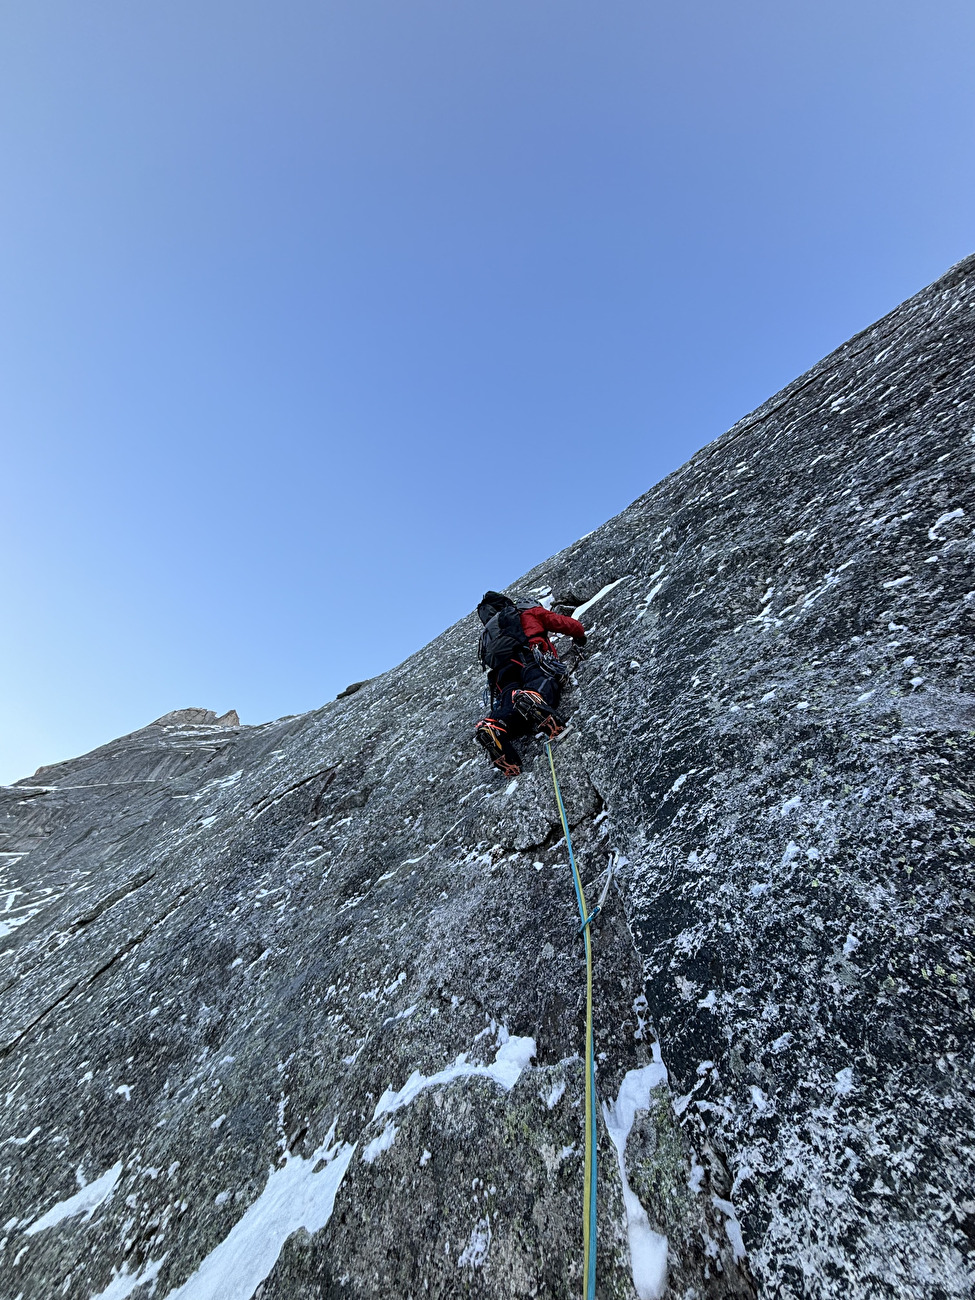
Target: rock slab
{"x": 295, "y": 1010}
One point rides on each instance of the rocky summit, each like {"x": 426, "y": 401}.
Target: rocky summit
{"x": 297, "y": 1010}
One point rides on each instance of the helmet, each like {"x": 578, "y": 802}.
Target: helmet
{"x": 490, "y": 603}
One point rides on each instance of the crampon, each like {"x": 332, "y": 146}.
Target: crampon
{"x": 532, "y": 706}
{"x": 488, "y": 735}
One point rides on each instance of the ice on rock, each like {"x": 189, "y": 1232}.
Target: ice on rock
{"x": 759, "y": 1100}
{"x": 556, "y": 1094}
{"x": 124, "y": 1283}
{"x": 379, "y": 1144}
{"x": 933, "y": 534}
{"x": 604, "y": 591}
{"x": 732, "y": 1226}
{"x": 844, "y": 1082}
{"x": 476, "y": 1251}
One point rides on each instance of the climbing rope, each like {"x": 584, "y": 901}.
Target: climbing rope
{"x": 589, "y": 1188}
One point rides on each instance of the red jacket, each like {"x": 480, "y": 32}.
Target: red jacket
{"x": 538, "y": 620}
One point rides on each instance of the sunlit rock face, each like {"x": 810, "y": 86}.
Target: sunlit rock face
{"x": 296, "y": 1010}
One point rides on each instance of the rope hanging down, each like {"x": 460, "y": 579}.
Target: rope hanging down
{"x": 589, "y": 1189}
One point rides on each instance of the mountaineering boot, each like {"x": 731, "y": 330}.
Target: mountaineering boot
{"x": 493, "y": 738}
{"x": 533, "y": 708}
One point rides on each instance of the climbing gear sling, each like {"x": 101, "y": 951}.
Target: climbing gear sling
{"x": 602, "y": 897}
{"x": 589, "y": 1188}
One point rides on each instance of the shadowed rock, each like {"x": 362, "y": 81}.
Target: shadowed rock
{"x": 351, "y": 690}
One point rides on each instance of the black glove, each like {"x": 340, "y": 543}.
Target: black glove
{"x": 579, "y": 640}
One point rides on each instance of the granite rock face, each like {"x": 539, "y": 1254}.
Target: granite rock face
{"x": 295, "y": 1010}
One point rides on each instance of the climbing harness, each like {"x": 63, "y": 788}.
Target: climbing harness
{"x": 589, "y": 1188}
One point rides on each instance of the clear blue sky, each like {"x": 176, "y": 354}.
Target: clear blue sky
{"x": 318, "y": 318}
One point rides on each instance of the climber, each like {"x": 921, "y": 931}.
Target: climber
{"x": 525, "y": 675}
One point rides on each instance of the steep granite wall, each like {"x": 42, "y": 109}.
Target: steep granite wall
{"x": 295, "y": 1010}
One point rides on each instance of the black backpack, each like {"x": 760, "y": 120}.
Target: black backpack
{"x": 503, "y": 639}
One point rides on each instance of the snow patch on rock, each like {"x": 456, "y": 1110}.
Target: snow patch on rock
{"x": 299, "y": 1194}
{"x": 511, "y": 1058}
{"x": 85, "y": 1201}
{"x": 648, "y": 1249}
